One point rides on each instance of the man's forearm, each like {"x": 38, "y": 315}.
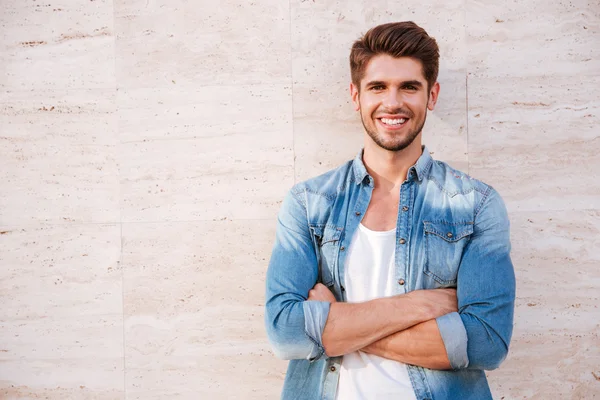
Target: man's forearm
{"x": 352, "y": 326}
{"x": 420, "y": 345}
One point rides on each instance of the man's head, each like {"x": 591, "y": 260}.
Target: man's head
{"x": 394, "y": 70}
{"x": 396, "y": 39}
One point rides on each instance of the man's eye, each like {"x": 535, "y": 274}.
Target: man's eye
{"x": 410, "y": 87}
{"x": 378, "y": 87}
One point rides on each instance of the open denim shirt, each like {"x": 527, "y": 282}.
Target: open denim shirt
{"x": 452, "y": 231}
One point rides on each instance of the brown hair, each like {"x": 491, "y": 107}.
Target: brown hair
{"x": 397, "y": 39}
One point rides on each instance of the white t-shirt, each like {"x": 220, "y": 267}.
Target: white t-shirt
{"x": 369, "y": 274}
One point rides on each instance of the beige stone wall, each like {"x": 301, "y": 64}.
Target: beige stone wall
{"x": 146, "y": 145}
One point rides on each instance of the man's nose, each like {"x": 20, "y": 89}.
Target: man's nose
{"x": 393, "y": 100}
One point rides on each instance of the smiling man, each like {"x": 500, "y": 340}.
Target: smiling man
{"x": 390, "y": 276}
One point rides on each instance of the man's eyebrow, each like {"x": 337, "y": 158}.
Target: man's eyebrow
{"x": 375, "y": 83}
{"x": 415, "y": 83}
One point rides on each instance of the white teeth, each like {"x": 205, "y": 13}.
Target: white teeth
{"x": 389, "y": 121}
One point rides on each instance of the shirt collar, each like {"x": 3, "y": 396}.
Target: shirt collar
{"x": 420, "y": 169}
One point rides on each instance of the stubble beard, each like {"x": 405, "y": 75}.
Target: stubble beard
{"x": 402, "y": 142}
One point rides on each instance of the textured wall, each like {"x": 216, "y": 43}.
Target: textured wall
{"x": 145, "y": 147}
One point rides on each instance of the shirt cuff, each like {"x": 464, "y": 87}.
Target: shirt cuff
{"x": 455, "y": 339}
{"x": 315, "y": 317}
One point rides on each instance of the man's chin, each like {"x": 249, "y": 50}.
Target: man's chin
{"x": 393, "y": 144}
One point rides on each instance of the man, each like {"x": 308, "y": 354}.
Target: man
{"x": 390, "y": 276}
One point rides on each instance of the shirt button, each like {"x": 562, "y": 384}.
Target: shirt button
{"x": 402, "y": 241}
{"x": 404, "y": 208}
{"x": 332, "y": 368}
{"x": 449, "y": 234}
{"x": 401, "y": 282}
{"x": 357, "y": 213}
{"x": 342, "y": 248}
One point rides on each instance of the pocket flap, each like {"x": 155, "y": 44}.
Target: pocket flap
{"x": 450, "y": 232}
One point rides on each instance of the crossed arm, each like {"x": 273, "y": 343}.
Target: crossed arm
{"x": 419, "y": 343}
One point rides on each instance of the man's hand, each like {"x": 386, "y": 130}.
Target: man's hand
{"x": 321, "y": 293}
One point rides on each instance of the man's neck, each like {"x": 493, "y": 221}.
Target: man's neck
{"x": 389, "y": 169}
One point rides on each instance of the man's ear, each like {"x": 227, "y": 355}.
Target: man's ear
{"x": 433, "y": 96}
{"x": 354, "y": 95}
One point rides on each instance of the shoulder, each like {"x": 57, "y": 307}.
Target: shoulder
{"x": 325, "y": 186}
{"x": 454, "y": 182}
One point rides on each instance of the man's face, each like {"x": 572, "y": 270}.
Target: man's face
{"x": 393, "y": 101}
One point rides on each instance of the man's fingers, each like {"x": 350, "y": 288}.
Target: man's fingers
{"x": 321, "y": 293}
{"x": 314, "y": 292}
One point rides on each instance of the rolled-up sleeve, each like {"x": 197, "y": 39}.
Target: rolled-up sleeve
{"x": 478, "y": 336}
{"x": 294, "y": 325}
{"x": 455, "y": 339}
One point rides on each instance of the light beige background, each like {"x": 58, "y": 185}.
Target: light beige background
{"x": 146, "y": 145}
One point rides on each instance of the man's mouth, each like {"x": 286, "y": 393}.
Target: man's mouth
{"x": 393, "y": 121}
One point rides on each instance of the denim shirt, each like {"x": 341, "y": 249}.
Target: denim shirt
{"x": 452, "y": 231}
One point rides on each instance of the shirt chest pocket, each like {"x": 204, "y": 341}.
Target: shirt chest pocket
{"x": 444, "y": 246}
{"x": 327, "y": 244}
